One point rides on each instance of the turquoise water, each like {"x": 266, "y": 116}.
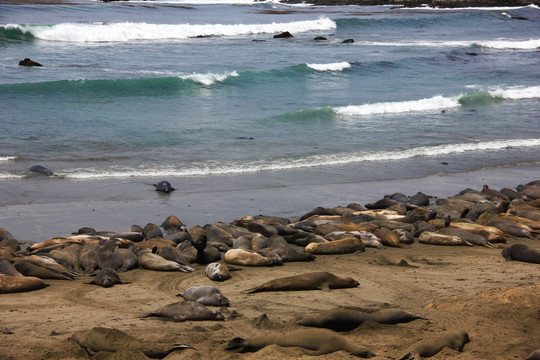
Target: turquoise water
{"x": 177, "y": 90}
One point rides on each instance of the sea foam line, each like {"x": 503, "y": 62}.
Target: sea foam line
{"x": 232, "y": 168}
{"x": 500, "y": 44}
{"x": 339, "y": 66}
{"x": 8, "y": 158}
{"x": 438, "y": 102}
{"x": 129, "y": 31}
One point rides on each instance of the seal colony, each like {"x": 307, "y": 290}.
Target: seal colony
{"x": 314, "y": 278}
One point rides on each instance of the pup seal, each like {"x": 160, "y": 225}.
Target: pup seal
{"x": 521, "y": 252}
{"x": 321, "y": 280}
{"x": 106, "y": 278}
{"x": 348, "y": 319}
{"x": 313, "y": 341}
{"x": 205, "y": 294}
{"x": 164, "y": 186}
{"x": 454, "y": 340}
{"x": 217, "y": 272}
{"x": 186, "y": 310}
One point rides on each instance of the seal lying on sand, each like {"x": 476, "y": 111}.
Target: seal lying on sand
{"x": 348, "y": 319}
{"x": 314, "y": 341}
{"x": 164, "y": 186}
{"x": 186, "y": 310}
{"x": 321, "y": 280}
{"x": 455, "y": 340}
{"x": 217, "y": 272}
{"x": 113, "y": 340}
{"x": 107, "y": 278}
{"x": 13, "y": 284}
{"x": 205, "y": 294}
{"x": 521, "y": 252}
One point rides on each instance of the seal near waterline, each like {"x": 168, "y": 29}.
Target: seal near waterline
{"x": 349, "y": 319}
{"x": 164, "y": 186}
{"x": 107, "y": 278}
{"x": 217, "y": 272}
{"x": 112, "y": 340}
{"x": 186, "y": 310}
{"x": 13, "y": 284}
{"x": 313, "y": 341}
{"x": 455, "y": 340}
{"x": 205, "y": 294}
{"x": 41, "y": 170}
{"x": 521, "y": 252}
{"x": 320, "y": 280}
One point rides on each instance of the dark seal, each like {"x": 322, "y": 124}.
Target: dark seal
{"x": 521, "y": 252}
{"x": 164, "y": 186}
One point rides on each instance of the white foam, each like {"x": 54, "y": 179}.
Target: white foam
{"x": 433, "y": 103}
{"x": 128, "y": 31}
{"x": 509, "y": 44}
{"x": 230, "y": 168}
{"x": 209, "y": 78}
{"x": 517, "y": 93}
{"x": 8, "y": 158}
{"x": 340, "y": 66}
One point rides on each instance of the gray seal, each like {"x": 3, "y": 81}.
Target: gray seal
{"x": 205, "y": 294}
{"x": 38, "y": 169}
{"x": 164, "y": 186}
{"x": 427, "y": 348}
{"x": 217, "y": 272}
{"x": 186, "y": 310}
{"x": 107, "y": 278}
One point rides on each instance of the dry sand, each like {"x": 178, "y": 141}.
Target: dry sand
{"x": 456, "y": 288}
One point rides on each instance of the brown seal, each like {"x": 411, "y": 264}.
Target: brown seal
{"x": 455, "y": 340}
{"x": 321, "y": 280}
{"x": 313, "y": 341}
{"x": 112, "y": 340}
{"x": 521, "y": 252}
{"x": 348, "y": 319}
{"x": 13, "y": 284}
{"x": 343, "y": 246}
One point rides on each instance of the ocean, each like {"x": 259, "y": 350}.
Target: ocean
{"x": 201, "y": 94}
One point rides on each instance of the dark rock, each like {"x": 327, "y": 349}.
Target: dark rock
{"x": 320, "y": 38}
{"x": 348, "y": 41}
{"x": 283, "y": 35}
{"x": 28, "y": 62}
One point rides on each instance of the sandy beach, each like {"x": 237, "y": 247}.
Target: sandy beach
{"x": 455, "y": 288}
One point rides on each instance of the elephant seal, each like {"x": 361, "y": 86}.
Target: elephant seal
{"x": 469, "y": 237}
{"x": 43, "y": 270}
{"x": 455, "y": 340}
{"x": 186, "y": 310}
{"x": 521, "y": 252}
{"x": 164, "y": 186}
{"x": 535, "y": 355}
{"x": 342, "y": 246}
{"x": 13, "y": 284}
{"x": 150, "y": 261}
{"x": 313, "y": 341}
{"x": 217, "y": 272}
{"x": 88, "y": 258}
{"x": 7, "y": 268}
{"x": 434, "y": 238}
{"x": 107, "y": 278}
{"x": 112, "y": 340}
{"x": 321, "y": 280}
{"x": 247, "y": 258}
{"x": 205, "y": 294}
{"x": 41, "y": 170}
{"x": 348, "y": 319}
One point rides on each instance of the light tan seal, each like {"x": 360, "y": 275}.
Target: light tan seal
{"x": 247, "y": 258}
{"x": 343, "y": 246}
{"x": 455, "y": 340}
{"x": 321, "y": 280}
{"x": 313, "y": 341}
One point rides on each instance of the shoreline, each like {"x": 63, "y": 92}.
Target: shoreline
{"x": 61, "y": 207}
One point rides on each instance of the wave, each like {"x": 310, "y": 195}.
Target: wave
{"x": 440, "y": 102}
{"x": 8, "y": 158}
{"x": 129, "y": 31}
{"x": 507, "y": 44}
{"x": 330, "y": 67}
{"x": 231, "y": 168}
